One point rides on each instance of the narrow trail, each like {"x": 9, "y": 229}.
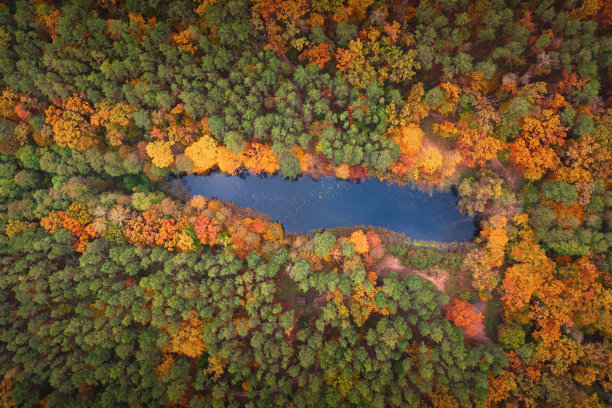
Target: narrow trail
{"x": 481, "y": 336}
{"x": 391, "y": 264}
{"x": 510, "y": 174}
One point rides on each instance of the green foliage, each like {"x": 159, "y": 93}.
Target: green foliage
{"x": 142, "y": 201}
{"x": 323, "y": 243}
{"x": 560, "y": 191}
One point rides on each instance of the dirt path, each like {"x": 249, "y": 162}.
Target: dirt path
{"x": 390, "y": 264}
{"x": 510, "y": 174}
{"x": 438, "y": 117}
{"x": 481, "y": 336}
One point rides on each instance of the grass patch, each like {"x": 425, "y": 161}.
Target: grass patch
{"x": 492, "y": 314}
{"x": 289, "y": 291}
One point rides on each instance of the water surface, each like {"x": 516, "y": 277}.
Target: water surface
{"x": 308, "y": 204}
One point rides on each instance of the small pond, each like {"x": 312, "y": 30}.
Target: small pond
{"x": 308, "y": 204}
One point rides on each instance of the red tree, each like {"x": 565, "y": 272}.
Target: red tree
{"x": 462, "y": 315}
{"x": 207, "y": 229}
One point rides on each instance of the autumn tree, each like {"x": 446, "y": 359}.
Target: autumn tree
{"x": 462, "y": 314}
{"x": 477, "y": 148}
{"x": 360, "y": 241}
{"x": 160, "y": 153}
{"x": 534, "y": 148}
{"x": 207, "y": 229}
{"x": 530, "y": 271}
{"x": 203, "y": 154}
{"x": 70, "y": 122}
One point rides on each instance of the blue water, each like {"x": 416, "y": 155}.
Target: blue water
{"x": 308, "y": 204}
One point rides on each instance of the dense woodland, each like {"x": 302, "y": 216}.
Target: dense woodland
{"x": 119, "y": 291}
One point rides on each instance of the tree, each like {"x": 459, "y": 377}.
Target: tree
{"x": 70, "y": 123}
{"x": 203, "y": 154}
{"x": 160, "y": 153}
{"x": 318, "y": 55}
{"x": 476, "y": 148}
{"x": 360, "y": 242}
{"x": 207, "y": 229}
{"x": 534, "y": 147}
{"x": 323, "y": 243}
{"x": 409, "y": 138}
{"x": 259, "y": 158}
{"x": 530, "y": 271}
{"x": 430, "y": 160}
{"x": 462, "y": 314}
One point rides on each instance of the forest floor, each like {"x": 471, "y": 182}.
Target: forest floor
{"x": 509, "y": 173}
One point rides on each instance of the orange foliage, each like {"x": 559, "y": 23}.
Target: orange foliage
{"x": 588, "y": 9}
{"x": 49, "y": 20}
{"x": 342, "y": 171}
{"x": 306, "y": 159}
{"x": 143, "y": 230}
{"x": 563, "y": 211}
{"x": 476, "y": 148}
{"x": 207, "y": 229}
{"x": 216, "y": 366}
{"x": 344, "y": 58}
{"x": 8, "y": 103}
{"x": 533, "y": 148}
{"x": 373, "y": 239}
{"x": 259, "y": 158}
{"x": 403, "y": 165}
{"x": 360, "y": 241}
{"x": 318, "y": 55}
{"x": 409, "y": 138}
{"x": 166, "y": 365}
{"x": 22, "y": 112}
{"x": 587, "y": 159}
{"x": 188, "y": 340}
{"x": 556, "y": 102}
{"x": 462, "y": 314}
{"x": 497, "y": 238}
{"x": 51, "y": 223}
{"x": 70, "y": 125}
{"x": 292, "y": 10}
{"x": 80, "y": 238}
{"x": 363, "y": 303}
{"x": 166, "y": 228}
{"x": 185, "y": 41}
{"x": 138, "y": 25}
{"x": 531, "y": 270}
{"x": 430, "y": 160}
{"x": 228, "y": 161}
{"x": 500, "y": 387}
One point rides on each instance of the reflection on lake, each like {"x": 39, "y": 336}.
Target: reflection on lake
{"x": 308, "y": 204}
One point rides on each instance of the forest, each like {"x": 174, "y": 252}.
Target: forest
{"x": 118, "y": 288}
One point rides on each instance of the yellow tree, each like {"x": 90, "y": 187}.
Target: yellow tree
{"x": 409, "y": 138}
{"x": 188, "y": 339}
{"x": 360, "y": 241}
{"x": 203, "y": 154}
{"x": 430, "y": 160}
{"x": 259, "y": 158}
{"x": 227, "y": 160}
{"x": 160, "y": 153}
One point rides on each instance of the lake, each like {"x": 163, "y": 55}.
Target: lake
{"x": 308, "y": 204}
